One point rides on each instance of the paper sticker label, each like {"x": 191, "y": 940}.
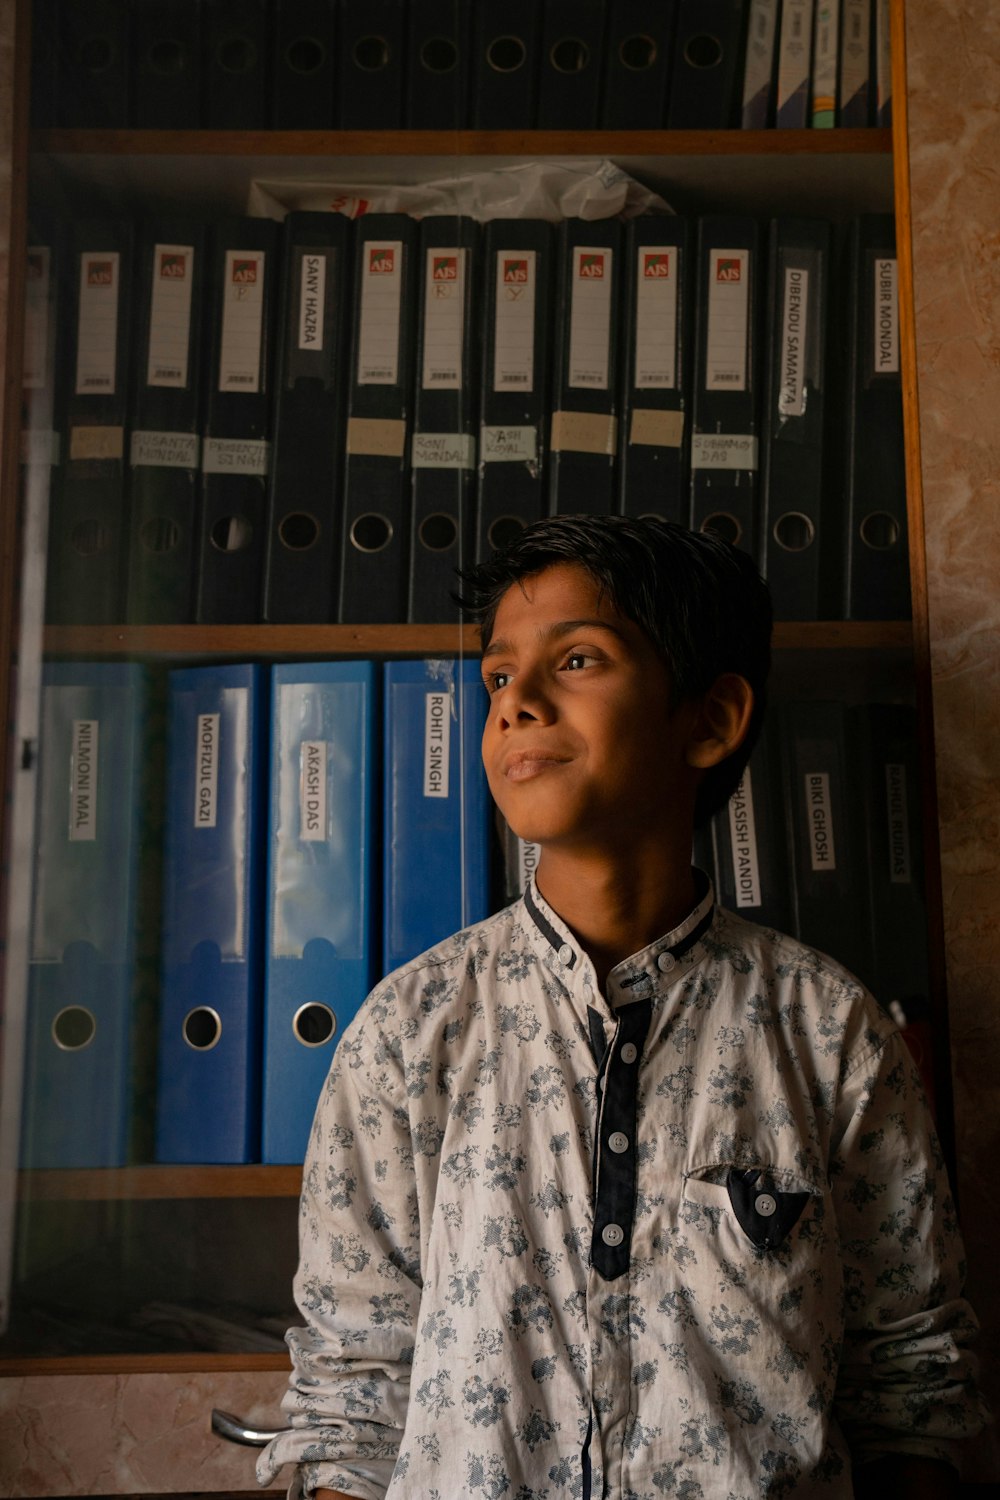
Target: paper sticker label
{"x": 444, "y": 319}
{"x": 312, "y": 791}
{"x": 242, "y": 322}
{"x": 590, "y": 318}
{"x": 312, "y": 301}
{"x": 514, "y": 326}
{"x": 381, "y": 302}
{"x": 97, "y": 323}
{"x": 499, "y": 445}
{"x": 819, "y": 819}
{"x": 83, "y": 781}
{"x": 443, "y": 450}
{"x": 897, "y": 801}
{"x": 164, "y": 450}
{"x": 743, "y": 842}
{"x": 721, "y": 450}
{"x": 437, "y": 744}
{"x": 886, "y": 317}
{"x": 728, "y": 307}
{"x": 235, "y": 456}
{"x": 96, "y": 443}
{"x": 656, "y": 318}
{"x": 527, "y": 862}
{"x": 170, "y": 316}
{"x": 206, "y": 774}
{"x": 37, "y": 283}
{"x": 653, "y": 428}
{"x": 794, "y": 336}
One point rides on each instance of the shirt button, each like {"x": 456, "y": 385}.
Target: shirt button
{"x": 765, "y": 1205}
{"x": 665, "y": 962}
{"x": 612, "y": 1234}
{"x": 618, "y": 1142}
{"x": 565, "y": 954}
{"x": 629, "y": 1053}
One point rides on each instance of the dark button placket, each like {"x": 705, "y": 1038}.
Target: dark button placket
{"x": 615, "y": 1150}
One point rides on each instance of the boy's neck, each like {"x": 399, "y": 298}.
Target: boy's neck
{"x": 617, "y": 905}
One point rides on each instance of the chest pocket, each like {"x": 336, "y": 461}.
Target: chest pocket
{"x": 765, "y": 1203}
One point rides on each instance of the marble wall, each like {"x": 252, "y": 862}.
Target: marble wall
{"x": 953, "y": 49}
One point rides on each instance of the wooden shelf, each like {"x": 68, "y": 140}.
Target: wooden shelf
{"x": 103, "y": 1185}
{"x": 273, "y": 641}
{"x": 142, "y": 1364}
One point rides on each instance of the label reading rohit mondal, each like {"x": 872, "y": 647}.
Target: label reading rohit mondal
{"x": 743, "y": 841}
{"x": 437, "y": 743}
{"x": 822, "y": 851}
{"x": 206, "y": 770}
{"x": 312, "y": 791}
{"x": 83, "y": 781}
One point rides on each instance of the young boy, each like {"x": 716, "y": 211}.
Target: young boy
{"x": 618, "y": 1194}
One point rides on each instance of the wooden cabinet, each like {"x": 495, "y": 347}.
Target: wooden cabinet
{"x": 217, "y": 1213}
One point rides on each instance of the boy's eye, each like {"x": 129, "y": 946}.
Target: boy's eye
{"x": 495, "y": 681}
{"x": 577, "y": 660}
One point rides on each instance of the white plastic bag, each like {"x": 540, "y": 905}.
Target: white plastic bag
{"x": 552, "y": 190}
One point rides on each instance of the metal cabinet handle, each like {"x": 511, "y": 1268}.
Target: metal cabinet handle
{"x": 235, "y": 1430}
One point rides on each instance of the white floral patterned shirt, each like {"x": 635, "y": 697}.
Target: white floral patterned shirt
{"x": 691, "y": 1237}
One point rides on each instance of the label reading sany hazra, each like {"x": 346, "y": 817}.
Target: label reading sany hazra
{"x": 437, "y": 744}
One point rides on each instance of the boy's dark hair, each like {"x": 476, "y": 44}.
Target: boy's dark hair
{"x": 700, "y": 601}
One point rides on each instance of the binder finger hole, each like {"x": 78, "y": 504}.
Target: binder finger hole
{"x": 703, "y": 51}
{"x": 880, "y": 531}
{"x": 371, "y": 533}
{"x": 89, "y": 537}
{"x": 371, "y": 53}
{"x": 505, "y": 54}
{"x": 570, "y": 55}
{"x": 503, "y": 531}
{"x": 314, "y": 1024}
{"x": 305, "y": 55}
{"x": 159, "y": 535}
{"x": 74, "y": 1028}
{"x": 236, "y": 54}
{"x": 231, "y": 533}
{"x": 638, "y": 53}
{"x": 437, "y": 533}
{"x": 439, "y": 55}
{"x": 794, "y": 532}
{"x": 166, "y": 58}
{"x": 202, "y": 1028}
{"x": 723, "y": 525}
{"x": 298, "y": 531}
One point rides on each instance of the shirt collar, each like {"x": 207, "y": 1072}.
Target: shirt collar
{"x": 653, "y": 968}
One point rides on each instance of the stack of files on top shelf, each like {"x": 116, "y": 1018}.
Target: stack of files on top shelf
{"x": 450, "y": 64}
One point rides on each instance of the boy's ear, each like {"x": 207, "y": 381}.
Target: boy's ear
{"x": 722, "y": 721}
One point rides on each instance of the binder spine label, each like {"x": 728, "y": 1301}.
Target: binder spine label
{"x": 444, "y": 320}
{"x": 886, "y": 331}
{"x": 584, "y": 432}
{"x": 653, "y": 428}
{"x": 590, "y": 318}
{"x": 527, "y": 861}
{"x": 83, "y": 781}
{"x": 514, "y": 322}
{"x": 235, "y": 456}
{"x": 242, "y": 322}
{"x": 437, "y": 744}
{"x": 897, "y": 803}
{"x": 377, "y": 437}
{"x": 37, "y": 281}
{"x": 312, "y": 791}
{"x": 96, "y": 443}
{"x": 170, "y": 316}
{"x": 164, "y": 450}
{"x": 822, "y": 851}
{"x": 443, "y": 450}
{"x": 728, "y": 308}
{"x": 656, "y": 318}
{"x": 721, "y": 450}
{"x": 312, "y": 301}
{"x": 97, "y": 323}
{"x": 206, "y": 779}
{"x": 794, "y": 340}
{"x": 499, "y": 445}
{"x": 381, "y": 308}
{"x": 743, "y": 842}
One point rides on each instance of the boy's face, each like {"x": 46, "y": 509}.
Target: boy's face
{"x": 580, "y": 747}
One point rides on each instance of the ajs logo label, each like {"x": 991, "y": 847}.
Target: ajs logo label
{"x": 444, "y": 268}
{"x": 173, "y": 267}
{"x": 515, "y": 272}
{"x": 381, "y": 261}
{"x": 100, "y": 273}
{"x": 244, "y": 272}
{"x": 592, "y": 267}
{"x": 656, "y": 264}
{"x": 728, "y": 270}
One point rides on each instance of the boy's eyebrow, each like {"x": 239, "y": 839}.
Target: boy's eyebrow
{"x": 501, "y": 647}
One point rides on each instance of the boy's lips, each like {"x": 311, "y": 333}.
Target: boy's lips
{"x": 519, "y": 765}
